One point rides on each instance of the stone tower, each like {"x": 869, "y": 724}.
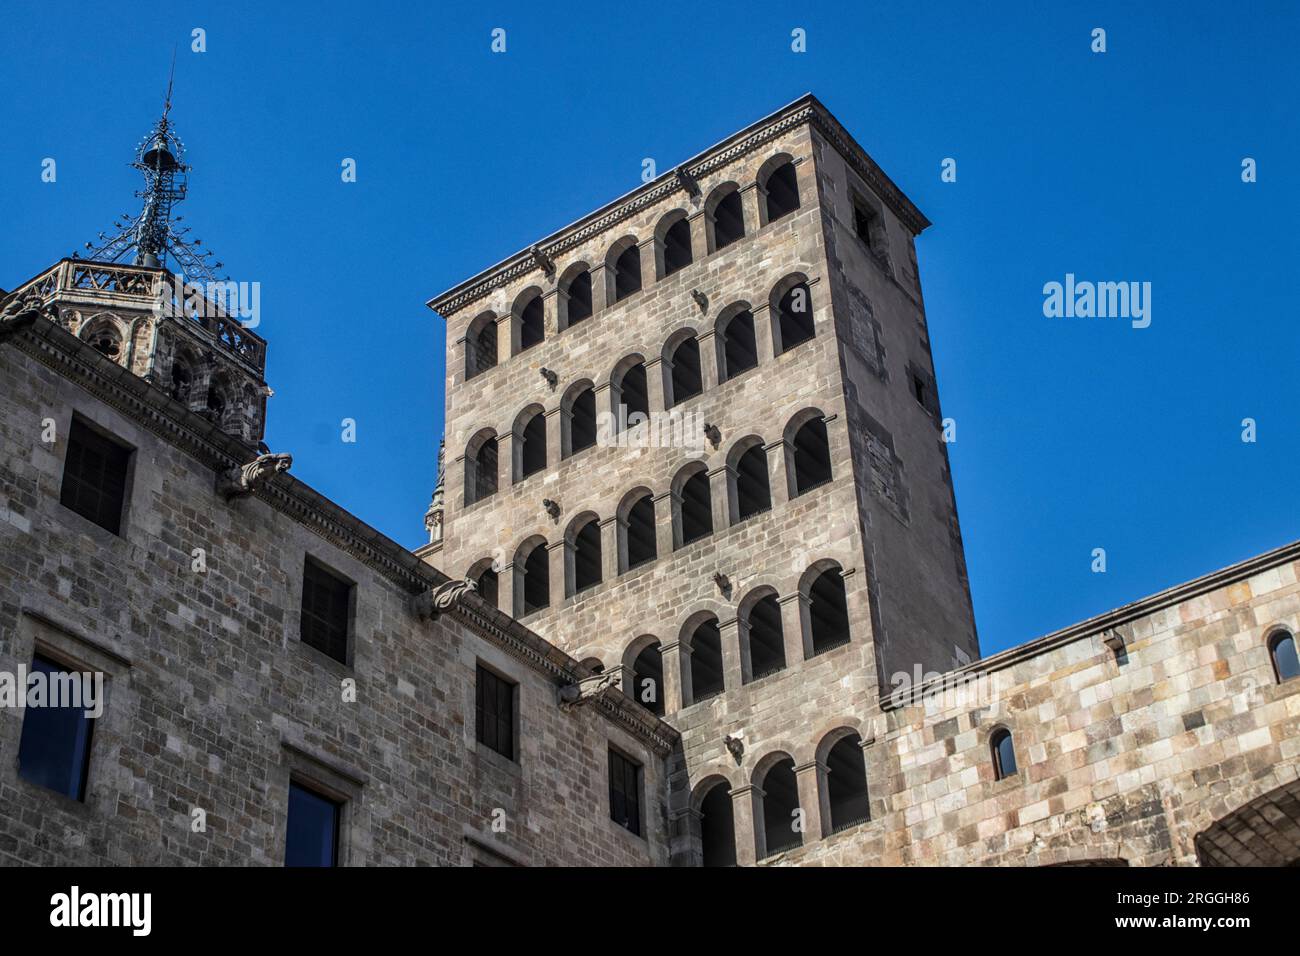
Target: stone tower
{"x": 696, "y": 436}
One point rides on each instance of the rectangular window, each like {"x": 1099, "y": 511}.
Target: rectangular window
{"x": 312, "y": 834}
{"x": 325, "y": 611}
{"x": 54, "y": 750}
{"x": 94, "y": 476}
{"x": 494, "y": 706}
{"x": 625, "y": 792}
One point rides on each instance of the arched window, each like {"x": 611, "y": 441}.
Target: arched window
{"x": 648, "y": 678}
{"x": 750, "y": 492}
{"x": 1281, "y": 648}
{"x": 673, "y": 244}
{"x": 1004, "y": 754}
{"x": 530, "y": 444}
{"x": 725, "y": 217}
{"x": 846, "y": 782}
{"x": 182, "y": 380}
{"x": 481, "y": 345}
{"x": 218, "y": 398}
{"x": 637, "y": 531}
{"x": 780, "y": 797}
{"x": 792, "y": 308}
{"x": 764, "y": 640}
{"x": 532, "y": 577}
{"x": 706, "y": 660}
{"x": 530, "y": 320}
{"x": 574, "y": 300}
{"x": 629, "y": 394}
{"x": 683, "y": 359}
{"x": 718, "y": 827}
{"x": 809, "y": 455}
{"x": 583, "y": 541}
{"x": 692, "y": 504}
{"x": 780, "y": 191}
{"x": 481, "y": 467}
{"x": 828, "y": 611}
{"x": 737, "y": 347}
{"x": 484, "y": 576}
{"x": 578, "y": 419}
{"x": 623, "y": 266}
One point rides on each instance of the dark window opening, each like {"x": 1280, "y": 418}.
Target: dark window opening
{"x": 537, "y": 580}
{"x": 686, "y": 380}
{"x": 325, "y": 611}
{"x": 706, "y": 662}
{"x": 728, "y": 221}
{"x": 494, "y": 712}
{"x": 697, "y": 508}
{"x": 648, "y": 679}
{"x": 488, "y": 586}
{"x": 796, "y": 316}
{"x": 582, "y": 422}
{"x": 782, "y": 192}
{"x": 482, "y": 352}
{"x": 532, "y": 324}
{"x": 780, "y": 801}
{"x": 866, "y": 224}
{"x": 766, "y": 638}
{"x": 532, "y": 456}
{"x": 718, "y": 828}
{"x": 633, "y": 394}
{"x": 677, "y": 246}
{"x": 1286, "y": 664}
{"x": 739, "y": 349}
{"x": 641, "y": 532}
{"x": 829, "y": 610}
{"x": 752, "y": 492}
{"x": 812, "y": 457}
{"x": 481, "y": 476}
{"x": 312, "y": 831}
{"x": 182, "y": 381}
{"x": 1004, "y": 754}
{"x": 846, "y": 778}
{"x": 54, "y": 750}
{"x": 578, "y": 305}
{"x": 216, "y": 401}
{"x": 94, "y": 476}
{"x": 625, "y": 792}
{"x": 627, "y": 273}
{"x": 586, "y": 557}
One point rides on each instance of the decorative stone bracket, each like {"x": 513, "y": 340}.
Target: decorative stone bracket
{"x": 242, "y": 480}
{"x": 587, "y": 689}
{"x": 434, "y": 602}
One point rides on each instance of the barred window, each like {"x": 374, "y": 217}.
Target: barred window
{"x": 94, "y": 476}
{"x": 494, "y": 706}
{"x": 625, "y": 792}
{"x": 325, "y": 611}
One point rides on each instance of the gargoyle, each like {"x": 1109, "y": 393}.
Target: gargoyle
{"x": 587, "y": 689}
{"x": 434, "y": 602}
{"x": 735, "y": 744}
{"x": 545, "y": 262}
{"x": 687, "y": 181}
{"x": 243, "y": 479}
{"x": 21, "y": 312}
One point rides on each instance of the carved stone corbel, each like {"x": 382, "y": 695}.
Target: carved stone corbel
{"x": 242, "y": 480}
{"x": 587, "y": 689}
{"x": 430, "y": 604}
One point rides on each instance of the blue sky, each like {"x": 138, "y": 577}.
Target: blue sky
{"x": 1073, "y": 434}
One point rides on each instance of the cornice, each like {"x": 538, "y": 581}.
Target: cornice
{"x": 806, "y": 110}
{"x": 157, "y": 412}
{"x": 1094, "y": 626}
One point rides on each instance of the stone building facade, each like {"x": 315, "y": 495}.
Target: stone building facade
{"x": 772, "y": 635}
{"x": 699, "y": 541}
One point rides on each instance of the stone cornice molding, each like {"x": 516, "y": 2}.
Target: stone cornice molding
{"x": 156, "y": 412}
{"x": 807, "y": 110}
{"x": 1094, "y": 626}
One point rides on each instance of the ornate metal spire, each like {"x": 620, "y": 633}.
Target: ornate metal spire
{"x": 151, "y": 236}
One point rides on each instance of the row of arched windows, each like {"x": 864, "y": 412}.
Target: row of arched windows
{"x": 724, "y": 220}
{"x": 737, "y": 352}
{"x": 780, "y": 821}
{"x": 689, "y": 504}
